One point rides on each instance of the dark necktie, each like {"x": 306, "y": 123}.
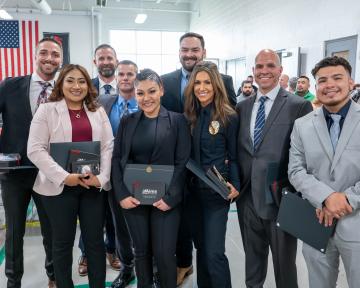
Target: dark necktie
{"x": 107, "y": 88}
{"x": 259, "y": 122}
{"x": 335, "y": 129}
{"x": 126, "y": 108}
{"x": 42, "y": 98}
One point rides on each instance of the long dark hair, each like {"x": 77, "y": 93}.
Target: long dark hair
{"x": 57, "y": 93}
{"x": 221, "y": 105}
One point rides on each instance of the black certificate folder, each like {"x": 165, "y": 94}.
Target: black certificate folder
{"x": 60, "y": 151}
{"x": 148, "y": 183}
{"x": 297, "y": 217}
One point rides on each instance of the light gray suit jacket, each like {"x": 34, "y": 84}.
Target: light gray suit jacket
{"x": 316, "y": 171}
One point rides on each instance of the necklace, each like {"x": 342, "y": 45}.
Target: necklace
{"x": 77, "y": 113}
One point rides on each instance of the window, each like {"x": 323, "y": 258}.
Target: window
{"x": 157, "y": 50}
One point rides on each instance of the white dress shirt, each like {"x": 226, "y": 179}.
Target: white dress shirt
{"x": 268, "y": 105}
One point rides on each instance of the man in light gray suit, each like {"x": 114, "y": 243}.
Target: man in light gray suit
{"x": 324, "y": 167}
{"x": 116, "y": 106}
{"x": 266, "y": 121}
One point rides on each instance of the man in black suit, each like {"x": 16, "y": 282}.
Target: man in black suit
{"x": 105, "y": 83}
{"x": 19, "y": 99}
{"x": 117, "y": 106}
{"x": 266, "y": 121}
{"x": 192, "y": 50}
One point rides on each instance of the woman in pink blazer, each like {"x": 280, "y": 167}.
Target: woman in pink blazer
{"x": 72, "y": 115}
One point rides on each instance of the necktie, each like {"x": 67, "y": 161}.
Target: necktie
{"x": 107, "y": 88}
{"x": 335, "y": 129}
{"x": 125, "y": 108}
{"x": 43, "y": 95}
{"x": 259, "y": 122}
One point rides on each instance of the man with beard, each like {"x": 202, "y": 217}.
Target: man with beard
{"x": 19, "y": 99}
{"x": 105, "y": 61}
{"x": 192, "y": 50}
{"x": 246, "y": 91}
{"x": 117, "y": 106}
{"x": 302, "y": 88}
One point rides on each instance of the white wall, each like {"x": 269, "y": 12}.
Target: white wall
{"x": 79, "y": 28}
{"x": 234, "y": 28}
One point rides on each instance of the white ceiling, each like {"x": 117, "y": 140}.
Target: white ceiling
{"x": 85, "y": 5}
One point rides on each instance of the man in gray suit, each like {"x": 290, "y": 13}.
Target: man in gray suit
{"x": 116, "y": 106}
{"x": 324, "y": 167}
{"x": 266, "y": 121}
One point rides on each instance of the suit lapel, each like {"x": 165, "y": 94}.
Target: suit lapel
{"x": 246, "y": 119}
{"x": 323, "y": 132}
{"x": 110, "y": 103}
{"x": 65, "y": 120}
{"x": 27, "y": 100}
{"x": 351, "y": 121}
{"x": 177, "y": 80}
{"x": 163, "y": 126}
{"x": 129, "y": 132}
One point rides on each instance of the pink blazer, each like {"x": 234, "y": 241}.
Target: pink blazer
{"x": 51, "y": 123}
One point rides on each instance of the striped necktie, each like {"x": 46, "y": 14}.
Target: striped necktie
{"x": 259, "y": 122}
{"x": 42, "y": 98}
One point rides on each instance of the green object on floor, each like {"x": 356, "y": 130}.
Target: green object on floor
{"x": 2, "y": 254}
{"x": 107, "y": 284}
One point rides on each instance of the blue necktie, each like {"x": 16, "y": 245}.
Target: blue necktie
{"x": 259, "y": 122}
{"x": 107, "y": 88}
{"x": 335, "y": 129}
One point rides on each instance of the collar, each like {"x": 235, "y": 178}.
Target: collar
{"x": 271, "y": 94}
{"x": 36, "y": 78}
{"x": 132, "y": 101}
{"x": 342, "y": 112}
{"x": 184, "y": 73}
{"x": 112, "y": 83}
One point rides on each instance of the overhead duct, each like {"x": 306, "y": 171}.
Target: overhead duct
{"x": 43, "y": 6}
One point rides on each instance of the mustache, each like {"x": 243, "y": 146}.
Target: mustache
{"x": 190, "y": 58}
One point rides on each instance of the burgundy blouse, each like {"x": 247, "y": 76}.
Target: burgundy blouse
{"x": 81, "y": 127}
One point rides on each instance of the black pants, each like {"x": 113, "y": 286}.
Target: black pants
{"x": 210, "y": 218}
{"x": 122, "y": 236}
{"x": 154, "y": 233}
{"x": 16, "y": 194}
{"x": 258, "y": 234}
{"x": 63, "y": 211}
{"x": 109, "y": 230}
{"x": 184, "y": 245}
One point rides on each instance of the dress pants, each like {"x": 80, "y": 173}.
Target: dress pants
{"x": 184, "y": 245}
{"x": 122, "y": 236}
{"x": 154, "y": 233}
{"x": 323, "y": 269}
{"x": 16, "y": 194}
{"x": 109, "y": 230}
{"x": 258, "y": 234}
{"x": 211, "y": 216}
{"x": 63, "y": 211}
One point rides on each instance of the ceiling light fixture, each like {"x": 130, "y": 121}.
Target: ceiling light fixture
{"x": 5, "y": 15}
{"x": 140, "y": 18}
{"x": 42, "y": 5}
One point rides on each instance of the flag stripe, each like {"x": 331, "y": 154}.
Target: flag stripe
{"x": 24, "y": 47}
{"x": 36, "y": 33}
{"x": 30, "y": 46}
{"x": 1, "y": 66}
{"x": 18, "y": 61}
{"x": 12, "y": 61}
{"x": 6, "y": 63}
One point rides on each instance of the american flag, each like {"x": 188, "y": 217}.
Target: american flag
{"x": 17, "y": 46}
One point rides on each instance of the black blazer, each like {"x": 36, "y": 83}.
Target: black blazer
{"x": 16, "y": 114}
{"x": 172, "y": 86}
{"x": 172, "y": 147}
{"x": 274, "y": 147}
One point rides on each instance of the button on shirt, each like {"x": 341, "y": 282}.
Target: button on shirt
{"x": 268, "y": 105}
{"x": 35, "y": 89}
{"x": 113, "y": 90}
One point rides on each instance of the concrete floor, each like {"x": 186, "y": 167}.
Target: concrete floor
{"x": 34, "y": 276}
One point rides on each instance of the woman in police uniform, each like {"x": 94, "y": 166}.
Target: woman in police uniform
{"x": 213, "y": 127}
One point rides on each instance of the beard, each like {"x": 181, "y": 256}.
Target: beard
{"x": 106, "y": 71}
{"x": 188, "y": 67}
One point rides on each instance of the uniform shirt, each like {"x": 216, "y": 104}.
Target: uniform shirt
{"x": 215, "y": 149}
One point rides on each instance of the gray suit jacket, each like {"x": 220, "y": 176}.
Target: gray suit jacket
{"x": 172, "y": 86}
{"x": 273, "y": 148}
{"x": 316, "y": 171}
{"x": 107, "y": 101}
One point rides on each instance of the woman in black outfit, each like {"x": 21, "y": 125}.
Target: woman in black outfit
{"x": 213, "y": 129}
{"x": 154, "y": 136}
